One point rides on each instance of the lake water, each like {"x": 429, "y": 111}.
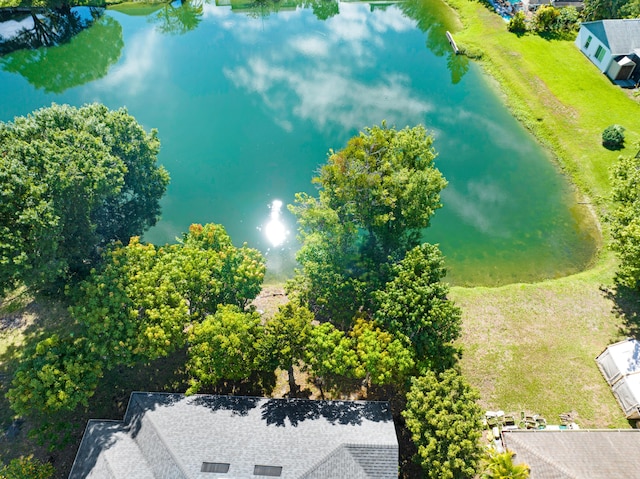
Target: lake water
{"x": 248, "y": 100}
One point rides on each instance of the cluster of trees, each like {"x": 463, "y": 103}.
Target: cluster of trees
{"x": 368, "y": 306}
{"x": 366, "y": 274}
{"x": 549, "y": 19}
{"x": 139, "y": 305}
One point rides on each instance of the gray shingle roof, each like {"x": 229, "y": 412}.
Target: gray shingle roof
{"x": 170, "y": 436}
{"x": 577, "y": 454}
{"x": 621, "y": 37}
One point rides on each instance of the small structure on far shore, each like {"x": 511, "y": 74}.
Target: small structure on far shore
{"x": 619, "y": 363}
{"x": 452, "y": 42}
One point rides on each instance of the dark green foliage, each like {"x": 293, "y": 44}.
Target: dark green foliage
{"x": 568, "y": 20}
{"x": 625, "y": 220}
{"x": 73, "y": 180}
{"x": 26, "y": 468}
{"x": 330, "y": 356}
{"x": 376, "y": 196}
{"x": 209, "y": 270}
{"x": 518, "y": 23}
{"x": 445, "y": 423}
{"x": 613, "y": 137}
{"x": 135, "y": 309}
{"x": 604, "y": 9}
{"x": 414, "y": 304}
{"x": 60, "y": 374}
{"x": 631, "y": 9}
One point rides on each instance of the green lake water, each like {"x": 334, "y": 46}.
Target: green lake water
{"x": 248, "y": 101}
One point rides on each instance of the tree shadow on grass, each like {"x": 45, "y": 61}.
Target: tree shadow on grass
{"x": 627, "y": 307}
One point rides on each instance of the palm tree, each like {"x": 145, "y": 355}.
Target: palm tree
{"x": 499, "y": 465}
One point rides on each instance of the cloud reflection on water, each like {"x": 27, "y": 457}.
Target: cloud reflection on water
{"x": 328, "y": 90}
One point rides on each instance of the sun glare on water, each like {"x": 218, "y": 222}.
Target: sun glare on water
{"x": 275, "y": 230}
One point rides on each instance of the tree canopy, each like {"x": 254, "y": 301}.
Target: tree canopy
{"x": 223, "y": 346}
{"x": 144, "y": 303}
{"x": 445, "y": 423}
{"x": 375, "y": 198}
{"x": 414, "y": 304}
{"x": 625, "y": 219}
{"x": 73, "y": 181}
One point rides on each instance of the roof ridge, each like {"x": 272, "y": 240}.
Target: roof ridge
{"x": 541, "y": 456}
{"x": 331, "y": 454}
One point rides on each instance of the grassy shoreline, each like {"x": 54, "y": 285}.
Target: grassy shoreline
{"x": 532, "y": 346}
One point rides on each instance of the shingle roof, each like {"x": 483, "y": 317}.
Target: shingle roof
{"x": 577, "y": 454}
{"x": 170, "y": 435}
{"x": 621, "y": 37}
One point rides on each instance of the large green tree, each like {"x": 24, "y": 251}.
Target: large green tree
{"x": 209, "y": 270}
{"x": 87, "y": 176}
{"x": 445, "y": 424}
{"x": 130, "y": 310}
{"x": 382, "y": 358}
{"x": 285, "y": 340}
{"x": 223, "y": 347}
{"x": 625, "y": 219}
{"x": 375, "y": 198}
{"x": 58, "y": 375}
{"x": 330, "y": 356}
{"x": 415, "y": 304}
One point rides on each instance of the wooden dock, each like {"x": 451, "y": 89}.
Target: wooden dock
{"x": 452, "y": 42}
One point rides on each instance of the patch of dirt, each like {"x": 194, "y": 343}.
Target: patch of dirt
{"x": 269, "y": 299}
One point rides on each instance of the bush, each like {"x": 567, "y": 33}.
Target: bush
{"x": 545, "y": 18}
{"x": 613, "y": 137}
{"x": 517, "y": 24}
{"x": 26, "y": 468}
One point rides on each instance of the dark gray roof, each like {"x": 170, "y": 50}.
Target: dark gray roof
{"x": 621, "y": 37}
{"x": 171, "y": 436}
{"x": 577, "y": 454}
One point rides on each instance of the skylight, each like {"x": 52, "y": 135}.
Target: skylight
{"x": 219, "y": 467}
{"x": 274, "y": 471}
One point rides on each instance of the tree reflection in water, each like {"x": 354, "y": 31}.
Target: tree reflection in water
{"x": 180, "y": 17}
{"x": 85, "y": 57}
{"x": 435, "y": 19}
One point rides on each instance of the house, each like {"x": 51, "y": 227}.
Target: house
{"x": 614, "y": 47}
{"x": 619, "y": 363}
{"x": 576, "y": 454}
{"x": 217, "y": 437}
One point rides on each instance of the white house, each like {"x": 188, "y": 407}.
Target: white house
{"x": 613, "y": 46}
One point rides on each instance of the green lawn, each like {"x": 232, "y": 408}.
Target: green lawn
{"x": 532, "y": 347}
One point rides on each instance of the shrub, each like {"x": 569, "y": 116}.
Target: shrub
{"x": 613, "y": 137}
{"x": 26, "y": 468}
{"x": 546, "y": 17}
{"x": 517, "y": 24}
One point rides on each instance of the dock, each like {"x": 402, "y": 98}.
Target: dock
{"x": 452, "y": 42}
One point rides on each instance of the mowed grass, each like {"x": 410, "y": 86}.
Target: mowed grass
{"x": 531, "y": 347}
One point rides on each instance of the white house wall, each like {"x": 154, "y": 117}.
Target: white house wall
{"x": 590, "y": 52}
